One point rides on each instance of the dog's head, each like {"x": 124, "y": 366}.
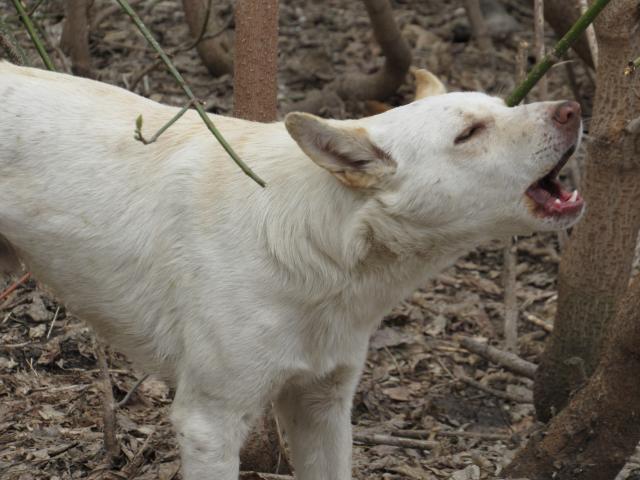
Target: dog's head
{"x": 459, "y": 161}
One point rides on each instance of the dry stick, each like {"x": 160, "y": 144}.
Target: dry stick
{"x": 557, "y": 53}
{"x": 11, "y": 289}
{"x": 494, "y": 392}
{"x": 510, "y": 297}
{"x": 538, "y": 322}
{"x": 591, "y": 34}
{"x": 26, "y": 20}
{"x": 478, "y": 25}
{"x": 378, "y": 439}
{"x": 509, "y": 255}
{"x": 187, "y": 90}
{"x": 506, "y": 359}
{"x": 538, "y": 35}
{"x": 130, "y": 393}
{"x": 149, "y": 68}
{"x": 110, "y": 441}
{"x": 423, "y": 434}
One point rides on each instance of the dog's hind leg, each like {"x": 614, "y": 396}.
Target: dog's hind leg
{"x": 210, "y": 432}
{"x": 317, "y": 422}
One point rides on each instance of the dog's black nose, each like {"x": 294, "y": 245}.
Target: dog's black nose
{"x": 567, "y": 114}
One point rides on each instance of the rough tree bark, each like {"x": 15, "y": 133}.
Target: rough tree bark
{"x": 561, "y": 15}
{"x": 595, "y": 268}
{"x": 214, "y": 52}
{"x": 377, "y": 86}
{"x": 256, "y": 60}
{"x": 255, "y": 92}
{"x": 592, "y": 438}
{"x": 75, "y": 36}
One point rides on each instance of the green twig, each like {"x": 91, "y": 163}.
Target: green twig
{"x": 557, "y": 53}
{"x": 138, "y": 132}
{"x": 31, "y": 30}
{"x": 632, "y": 67}
{"x": 124, "y": 4}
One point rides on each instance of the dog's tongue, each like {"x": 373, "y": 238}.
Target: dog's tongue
{"x": 553, "y": 200}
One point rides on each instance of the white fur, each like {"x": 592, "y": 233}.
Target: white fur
{"x": 236, "y": 294}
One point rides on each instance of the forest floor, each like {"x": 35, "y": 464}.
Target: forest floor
{"x": 417, "y": 375}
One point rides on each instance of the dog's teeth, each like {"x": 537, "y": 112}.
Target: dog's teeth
{"x": 558, "y": 202}
{"x": 574, "y": 196}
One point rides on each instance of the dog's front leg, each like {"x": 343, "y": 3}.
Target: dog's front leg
{"x": 316, "y": 416}
{"x": 210, "y": 432}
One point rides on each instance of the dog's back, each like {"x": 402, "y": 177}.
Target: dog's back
{"x": 81, "y": 198}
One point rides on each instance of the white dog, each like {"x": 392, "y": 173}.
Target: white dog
{"x": 237, "y": 294}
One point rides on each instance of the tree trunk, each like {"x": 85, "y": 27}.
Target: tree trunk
{"x": 478, "y": 25}
{"x": 594, "y": 436}
{"x": 561, "y": 15}
{"x": 255, "y": 93}
{"x": 214, "y": 52}
{"x": 75, "y": 36}
{"x": 384, "y": 83}
{"x": 255, "y": 77}
{"x": 595, "y": 268}
{"x": 377, "y": 86}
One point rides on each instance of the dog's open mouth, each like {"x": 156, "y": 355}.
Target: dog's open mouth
{"x": 550, "y": 198}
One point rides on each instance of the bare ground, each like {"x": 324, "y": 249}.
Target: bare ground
{"x": 50, "y": 400}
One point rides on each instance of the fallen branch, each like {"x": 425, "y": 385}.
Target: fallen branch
{"x": 124, "y": 4}
{"x": 31, "y": 30}
{"x": 425, "y": 434}
{"x": 556, "y": 54}
{"x": 505, "y": 359}
{"x": 547, "y": 327}
{"x": 494, "y": 392}
{"x": 379, "y": 439}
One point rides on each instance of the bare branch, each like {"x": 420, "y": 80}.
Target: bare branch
{"x": 505, "y": 359}
{"x": 124, "y": 4}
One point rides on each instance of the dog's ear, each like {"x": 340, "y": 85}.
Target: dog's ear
{"x": 427, "y": 84}
{"x": 346, "y": 152}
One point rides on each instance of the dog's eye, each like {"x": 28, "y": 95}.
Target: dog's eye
{"x": 468, "y": 133}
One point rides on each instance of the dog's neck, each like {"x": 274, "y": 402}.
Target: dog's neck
{"x": 339, "y": 238}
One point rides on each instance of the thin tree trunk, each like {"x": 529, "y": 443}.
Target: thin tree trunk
{"x": 595, "y": 268}
{"x": 255, "y": 93}
{"x": 594, "y": 436}
{"x": 213, "y": 52}
{"x": 561, "y": 15}
{"x": 256, "y": 60}
{"x": 75, "y": 36}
